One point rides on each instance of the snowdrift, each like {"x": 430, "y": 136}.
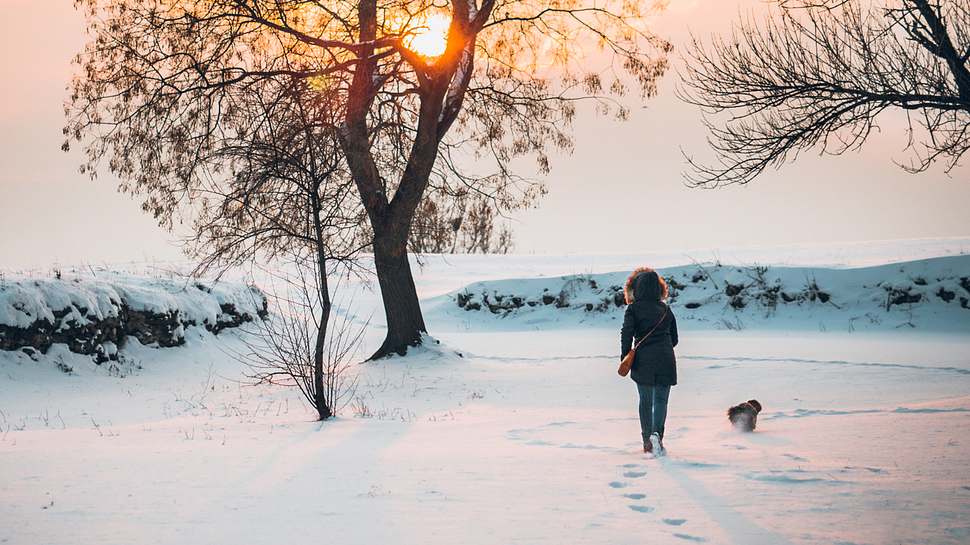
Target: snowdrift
{"x": 933, "y": 294}
{"x": 96, "y": 314}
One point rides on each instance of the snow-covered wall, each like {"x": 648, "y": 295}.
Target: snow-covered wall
{"x": 932, "y": 294}
{"x": 96, "y": 314}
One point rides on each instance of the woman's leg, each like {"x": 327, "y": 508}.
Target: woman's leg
{"x": 660, "y": 396}
{"x": 646, "y": 411}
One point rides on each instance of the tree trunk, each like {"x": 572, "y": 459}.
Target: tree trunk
{"x": 319, "y": 387}
{"x": 440, "y": 104}
{"x": 320, "y": 391}
{"x": 405, "y": 323}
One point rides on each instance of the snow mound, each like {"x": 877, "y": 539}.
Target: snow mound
{"x": 431, "y": 350}
{"x": 932, "y": 294}
{"x": 95, "y": 314}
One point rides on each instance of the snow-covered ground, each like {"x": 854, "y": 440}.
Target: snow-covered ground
{"x": 512, "y": 430}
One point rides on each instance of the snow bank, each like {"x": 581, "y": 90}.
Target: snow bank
{"x": 95, "y": 314}
{"x": 932, "y": 293}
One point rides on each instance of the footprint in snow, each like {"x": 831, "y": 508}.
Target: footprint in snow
{"x": 675, "y": 522}
{"x": 634, "y": 474}
{"x": 696, "y": 465}
{"x": 618, "y": 484}
{"x": 790, "y": 477}
{"x": 866, "y": 468}
{"x": 630, "y": 466}
{"x": 635, "y": 496}
{"x": 689, "y": 537}
{"x": 640, "y": 508}
{"x": 584, "y": 447}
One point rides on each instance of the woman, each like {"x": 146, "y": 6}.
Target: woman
{"x": 654, "y": 366}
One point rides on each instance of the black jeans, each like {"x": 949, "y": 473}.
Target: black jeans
{"x": 653, "y": 409}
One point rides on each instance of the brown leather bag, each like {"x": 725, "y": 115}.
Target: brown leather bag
{"x": 627, "y": 362}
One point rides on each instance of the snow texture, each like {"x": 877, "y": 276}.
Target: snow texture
{"x": 515, "y": 429}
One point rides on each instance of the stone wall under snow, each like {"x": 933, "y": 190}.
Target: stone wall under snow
{"x": 95, "y": 315}
{"x": 931, "y": 293}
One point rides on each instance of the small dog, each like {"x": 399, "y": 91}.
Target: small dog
{"x": 744, "y": 416}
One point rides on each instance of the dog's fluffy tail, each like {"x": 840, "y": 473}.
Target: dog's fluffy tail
{"x": 744, "y": 416}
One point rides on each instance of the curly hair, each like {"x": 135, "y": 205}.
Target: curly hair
{"x": 628, "y": 287}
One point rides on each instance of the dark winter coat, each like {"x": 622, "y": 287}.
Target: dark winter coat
{"x": 654, "y": 363}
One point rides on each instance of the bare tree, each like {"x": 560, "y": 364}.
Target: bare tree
{"x": 286, "y": 196}
{"x": 434, "y": 229}
{"x": 158, "y": 88}
{"x": 459, "y": 223}
{"x": 284, "y": 187}
{"x": 818, "y": 73}
{"x": 286, "y": 348}
{"x": 480, "y": 225}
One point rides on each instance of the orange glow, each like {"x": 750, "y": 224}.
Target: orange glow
{"x": 429, "y": 38}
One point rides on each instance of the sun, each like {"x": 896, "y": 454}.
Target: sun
{"x": 430, "y": 37}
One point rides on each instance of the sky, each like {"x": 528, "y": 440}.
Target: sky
{"x": 620, "y": 191}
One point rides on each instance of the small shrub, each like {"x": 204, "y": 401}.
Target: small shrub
{"x": 360, "y": 409}
{"x": 814, "y": 293}
{"x": 63, "y": 367}
{"x": 733, "y": 325}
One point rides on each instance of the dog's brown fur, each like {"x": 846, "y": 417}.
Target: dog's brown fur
{"x": 744, "y": 416}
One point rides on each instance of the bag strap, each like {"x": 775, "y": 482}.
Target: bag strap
{"x": 647, "y": 336}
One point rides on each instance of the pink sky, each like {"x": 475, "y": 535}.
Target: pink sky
{"x": 622, "y": 182}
